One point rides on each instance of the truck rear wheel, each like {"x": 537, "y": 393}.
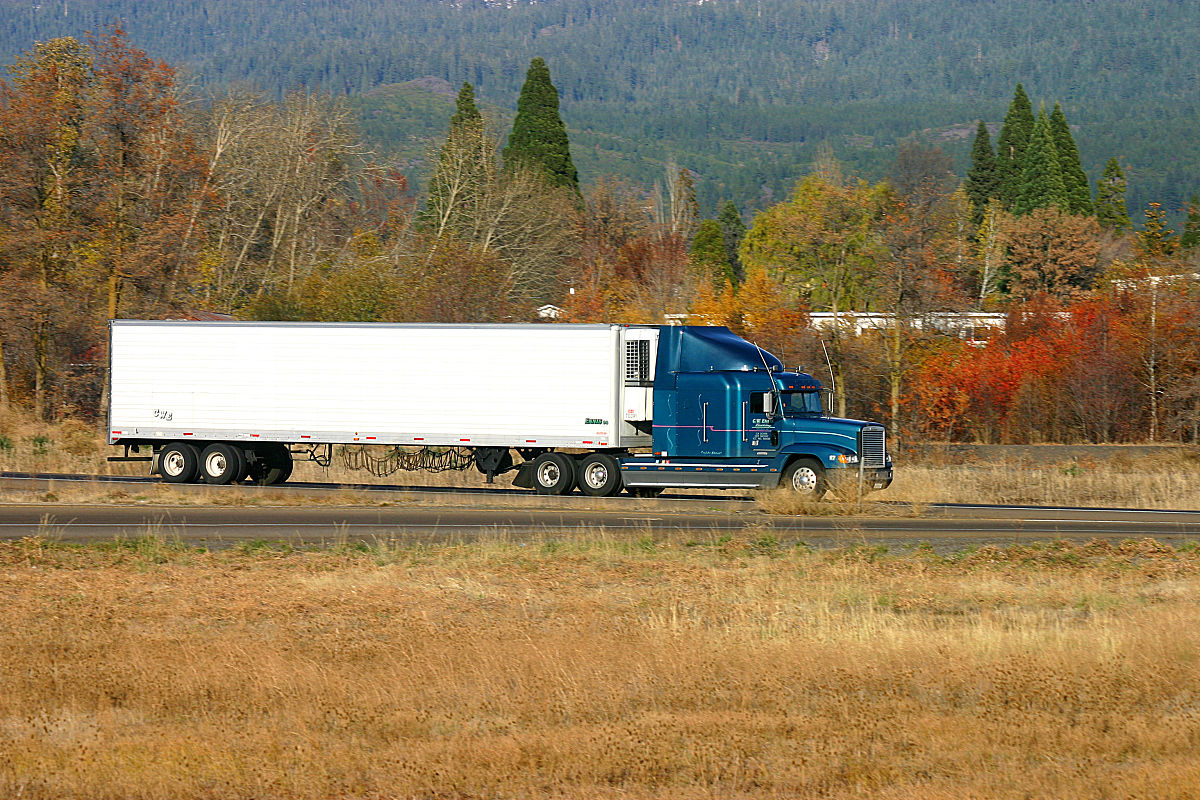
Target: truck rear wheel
{"x": 599, "y": 475}
{"x": 222, "y": 464}
{"x": 806, "y": 477}
{"x": 179, "y": 462}
{"x": 553, "y": 473}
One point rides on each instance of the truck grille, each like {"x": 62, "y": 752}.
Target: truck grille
{"x": 871, "y": 448}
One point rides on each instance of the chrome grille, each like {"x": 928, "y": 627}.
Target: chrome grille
{"x": 871, "y": 447}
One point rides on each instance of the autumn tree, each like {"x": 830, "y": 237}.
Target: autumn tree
{"x": 45, "y": 215}
{"x": 821, "y": 241}
{"x": 824, "y": 246}
{"x": 99, "y": 171}
{"x": 1053, "y": 253}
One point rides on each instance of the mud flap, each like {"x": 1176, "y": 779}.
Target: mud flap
{"x": 524, "y": 477}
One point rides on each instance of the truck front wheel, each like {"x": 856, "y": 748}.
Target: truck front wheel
{"x": 599, "y": 475}
{"x": 806, "y": 477}
{"x": 553, "y": 473}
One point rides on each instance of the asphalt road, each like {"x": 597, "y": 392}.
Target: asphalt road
{"x": 953, "y": 527}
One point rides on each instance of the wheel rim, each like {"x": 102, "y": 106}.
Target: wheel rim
{"x": 804, "y": 480}
{"x": 216, "y": 464}
{"x": 596, "y": 476}
{"x": 549, "y": 474}
{"x": 174, "y": 463}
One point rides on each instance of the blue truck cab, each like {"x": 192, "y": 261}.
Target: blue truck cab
{"x": 726, "y": 414}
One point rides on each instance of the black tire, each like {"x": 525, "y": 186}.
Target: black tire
{"x": 222, "y": 464}
{"x": 599, "y": 475}
{"x": 553, "y": 473}
{"x": 179, "y": 462}
{"x": 806, "y": 477}
{"x": 644, "y": 491}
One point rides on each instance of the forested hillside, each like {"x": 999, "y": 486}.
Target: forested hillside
{"x": 743, "y": 93}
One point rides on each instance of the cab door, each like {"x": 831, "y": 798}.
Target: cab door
{"x": 759, "y": 436}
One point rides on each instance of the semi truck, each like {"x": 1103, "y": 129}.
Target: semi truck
{"x": 601, "y": 408}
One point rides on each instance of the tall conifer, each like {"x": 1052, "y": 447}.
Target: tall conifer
{"x": 1111, "y": 212}
{"x": 465, "y": 159}
{"x": 1011, "y": 145}
{"x": 1079, "y": 193}
{"x": 981, "y": 184}
{"x": 539, "y": 138}
{"x": 1191, "y": 226}
{"x": 733, "y": 230}
{"x": 1041, "y": 177}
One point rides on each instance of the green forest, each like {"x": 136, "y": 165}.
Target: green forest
{"x": 744, "y": 94}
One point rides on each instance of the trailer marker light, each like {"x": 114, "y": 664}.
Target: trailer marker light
{"x": 372, "y": 437}
{"x": 418, "y": 438}
{"x": 303, "y": 436}
{"x": 116, "y": 433}
{"x": 255, "y": 435}
{"x": 586, "y": 442}
{"x": 531, "y": 441}
{"x": 189, "y": 434}
{"x": 464, "y": 440}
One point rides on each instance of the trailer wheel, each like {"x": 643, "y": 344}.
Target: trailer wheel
{"x": 179, "y": 462}
{"x": 553, "y": 473}
{"x": 222, "y": 464}
{"x": 805, "y": 476}
{"x": 599, "y": 475}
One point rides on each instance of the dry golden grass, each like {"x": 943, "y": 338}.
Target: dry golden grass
{"x": 598, "y": 667}
{"x": 1170, "y": 482}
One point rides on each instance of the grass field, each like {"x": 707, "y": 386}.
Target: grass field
{"x": 598, "y": 667}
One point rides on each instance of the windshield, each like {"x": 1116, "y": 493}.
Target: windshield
{"x": 798, "y": 403}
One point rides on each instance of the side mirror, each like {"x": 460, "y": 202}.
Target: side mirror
{"x": 769, "y": 403}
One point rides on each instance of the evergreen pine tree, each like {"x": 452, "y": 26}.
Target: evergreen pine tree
{"x": 539, "y": 138}
{"x": 1011, "y": 145}
{"x": 463, "y": 165}
{"x": 465, "y": 110}
{"x": 1110, "y": 199}
{"x": 1191, "y": 226}
{"x": 1041, "y": 177}
{"x": 708, "y": 254}
{"x": 1079, "y": 192}
{"x": 981, "y": 184}
{"x": 733, "y": 230}
{"x": 1156, "y": 239}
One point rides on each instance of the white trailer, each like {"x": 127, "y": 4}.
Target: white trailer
{"x": 205, "y": 396}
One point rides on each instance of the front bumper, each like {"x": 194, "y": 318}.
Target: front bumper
{"x": 873, "y": 479}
